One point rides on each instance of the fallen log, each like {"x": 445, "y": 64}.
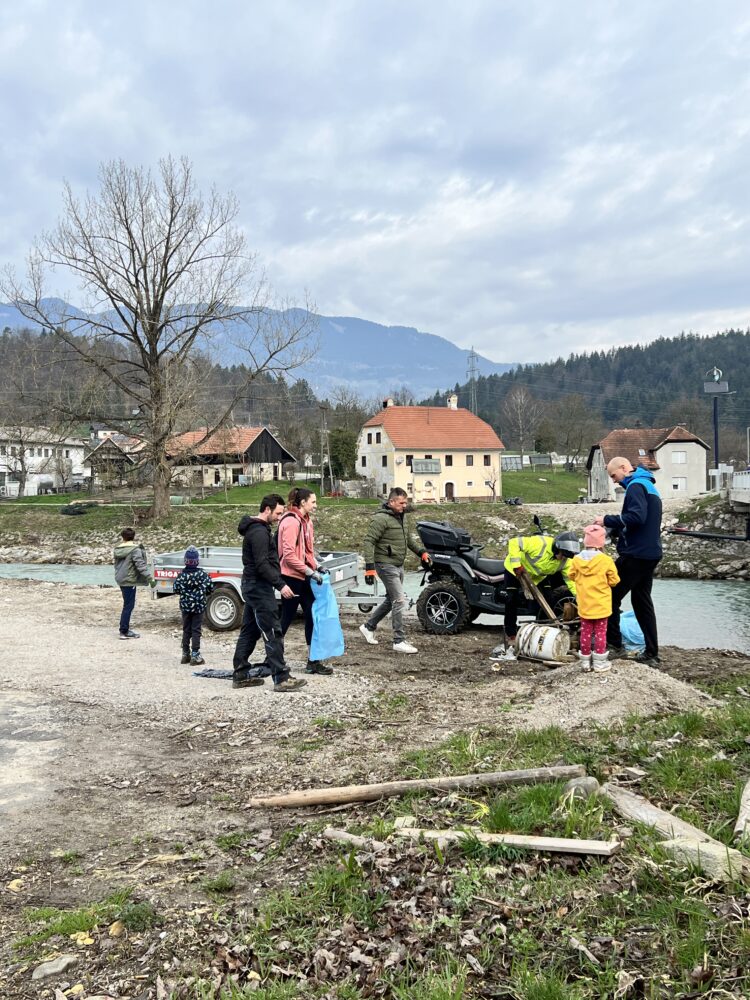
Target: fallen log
{"x": 554, "y": 845}
{"x": 388, "y": 789}
{"x": 742, "y": 826}
{"x": 363, "y": 843}
{"x": 719, "y": 862}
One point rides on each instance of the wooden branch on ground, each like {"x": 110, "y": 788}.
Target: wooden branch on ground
{"x": 530, "y": 588}
{"x": 555, "y": 845}
{"x": 364, "y": 843}
{"x": 742, "y": 826}
{"x": 388, "y": 789}
{"x": 719, "y": 862}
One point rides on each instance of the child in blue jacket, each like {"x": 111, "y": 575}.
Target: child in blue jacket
{"x": 193, "y": 585}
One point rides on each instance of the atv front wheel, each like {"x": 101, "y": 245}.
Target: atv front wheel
{"x": 443, "y": 609}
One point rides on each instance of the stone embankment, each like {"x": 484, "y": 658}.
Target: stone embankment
{"x": 705, "y": 558}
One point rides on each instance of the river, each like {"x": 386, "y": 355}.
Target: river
{"x": 691, "y": 613}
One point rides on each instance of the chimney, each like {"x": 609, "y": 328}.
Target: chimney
{"x": 387, "y": 402}
{"x": 453, "y": 401}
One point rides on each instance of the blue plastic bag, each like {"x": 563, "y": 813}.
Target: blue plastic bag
{"x": 632, "y": 637}
{"x": 327, "y": 638}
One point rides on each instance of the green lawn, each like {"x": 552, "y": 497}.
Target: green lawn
{"x": 554, "y": 485}
{"x": 252, "y": 495}
{"x": 54, "y": 499}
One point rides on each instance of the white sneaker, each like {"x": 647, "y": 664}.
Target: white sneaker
{"x": 404, "y": 647}
{"x": 369, "y": 636}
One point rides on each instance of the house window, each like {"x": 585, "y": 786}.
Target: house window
{"x": 679, "y": 484}
{"x": 377, "y": 437}
{"x": 487, "y": 460}
{"x": 369, "y": 438}
{"x": 428, "y": 456}
{"x": 469, "y": 482}
{"x": 409, "y": 460}
{"x": 46, "y": 452}
{"x": 448, "y": 461}
{"x": 642, "y": 452}
{"x": 13, "y": 451}
{"x": 67, "y": 452}
{"x": 364, "y": 461}
{"x": 469, "y": 460}
{"x": 384, "y": 461}
{"x": 385, "y": 489}
{"x": 410, "y": 487}
{"x": 39, "y": 453}
{"x": 679, "y": 457}
{"x": 3, "y": 450}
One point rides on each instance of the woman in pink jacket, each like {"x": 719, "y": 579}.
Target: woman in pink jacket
{"x": 299, "y": 565}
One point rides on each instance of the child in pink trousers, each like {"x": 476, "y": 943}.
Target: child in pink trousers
{"x": 595, "y": 574}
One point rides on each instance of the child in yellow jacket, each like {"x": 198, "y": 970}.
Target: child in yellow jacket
{"x": 595, "y": 574}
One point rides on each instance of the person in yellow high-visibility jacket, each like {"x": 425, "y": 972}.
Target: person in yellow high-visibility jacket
{"x": 545, "y": 559}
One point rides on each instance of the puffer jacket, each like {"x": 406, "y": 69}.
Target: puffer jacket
{"x": 595, "y": 574}
{"x": 296, "y": 541}
{"x": 638, "y": 526}
{"x": 388, "y": 539}
{"x": 534, "y": 553}
{"x": 131, "y": 565}
{"x": 193, "y": 585}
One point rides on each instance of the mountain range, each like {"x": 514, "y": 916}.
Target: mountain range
{"x": 368, "y": 357}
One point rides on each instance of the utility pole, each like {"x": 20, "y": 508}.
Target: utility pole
{"x": 716, "y": 387}
{"x": 323, "y": 441}
{"x": 472, "y": 371}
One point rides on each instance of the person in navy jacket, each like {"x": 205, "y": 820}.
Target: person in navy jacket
{"x": 638, "y": 532}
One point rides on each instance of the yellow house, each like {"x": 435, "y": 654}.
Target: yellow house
{"x": 435, "y": 453}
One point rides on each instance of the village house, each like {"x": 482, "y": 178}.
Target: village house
{"x": 112, "y": 459}
{"x": 231, "y": 455}
{"x": 435, "y": 453}
{"x": 36, "y": 459}
{"x": 676, "y": 457}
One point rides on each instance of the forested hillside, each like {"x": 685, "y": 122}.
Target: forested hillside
{"x": 657, "y": 384}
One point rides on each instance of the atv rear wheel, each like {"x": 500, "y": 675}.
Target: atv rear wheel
{"x": 443, "y": 609}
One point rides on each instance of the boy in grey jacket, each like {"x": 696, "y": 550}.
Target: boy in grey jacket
{"x": 131, "y": 571}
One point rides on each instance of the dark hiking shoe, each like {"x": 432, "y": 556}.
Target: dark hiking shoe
{"x": 617, "y": 652}
{"x": 647, "y": 659}
{"x": 130, "y": 635}
{"x": 318, "y": 667}
{"x": 289, "y": 684}
{"x": 196, "y": 659}
{"x": 185, "y": 658}
{"x": 243, "y": 679}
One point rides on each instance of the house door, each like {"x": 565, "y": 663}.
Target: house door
{"x": 449, "y": 491}
{"x": 275, "y": 473}
{"x": 217, "y": 477}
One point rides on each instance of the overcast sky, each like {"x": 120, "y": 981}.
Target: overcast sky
{"x": 531, "y": 178}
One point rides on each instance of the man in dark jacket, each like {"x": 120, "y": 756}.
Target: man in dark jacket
{"x": 386, "y": 543}
{"x": 638, "y": 532}
{"x": 261, "y": 575}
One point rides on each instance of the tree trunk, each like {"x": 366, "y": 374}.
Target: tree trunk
{"x": 162, "y": 476}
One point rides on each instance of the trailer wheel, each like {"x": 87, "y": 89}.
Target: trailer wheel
{"x": 443, "y": 609}
{"x": 224, "y": 609}
{"x": 366, "y": 608}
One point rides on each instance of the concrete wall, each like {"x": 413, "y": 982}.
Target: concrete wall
{"x": 677, "y": 478}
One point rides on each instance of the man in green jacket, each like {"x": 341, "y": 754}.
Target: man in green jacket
{"x": 131, "y": 571}
{"x": 386, "y": 543}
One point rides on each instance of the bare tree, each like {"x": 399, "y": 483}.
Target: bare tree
{"x": 162, "y": 273}
{"x": 521, "y": 414}
{"x": 577, "y": 426}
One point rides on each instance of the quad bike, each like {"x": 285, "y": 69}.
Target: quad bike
{"x": 461, "y": 585}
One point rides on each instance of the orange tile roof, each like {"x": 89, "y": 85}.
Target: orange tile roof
{"x": 628, "y": 442}
{"x": 225, "y": 441}
{"x": 434, "y": 427}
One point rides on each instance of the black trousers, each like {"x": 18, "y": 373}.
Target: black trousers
{"x": 554, "y": 588}
{"x": 260, "y": 619}
{"x": 192, "y": 626}
{"x": 636, "y": 579}
{"x": 303, "y": 595}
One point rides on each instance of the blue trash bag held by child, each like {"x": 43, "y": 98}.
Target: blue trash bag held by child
{"x": 632, "y": 637}
{"x": 327, "y": 638}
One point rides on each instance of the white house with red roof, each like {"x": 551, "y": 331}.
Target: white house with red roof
{"x": 675, "y": 456}
{"x": 435, "y": 453}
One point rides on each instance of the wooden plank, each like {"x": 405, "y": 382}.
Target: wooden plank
{"x": 635, "y": 807}
{"x": 719, "y": 862}
{"x": 537, "y": 595}
{"x": 742, "y": 826}
{"x": 388, "y": 789}
{"x": 555, "y": 845}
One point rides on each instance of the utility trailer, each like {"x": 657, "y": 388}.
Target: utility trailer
{"x": 224, "y": 565}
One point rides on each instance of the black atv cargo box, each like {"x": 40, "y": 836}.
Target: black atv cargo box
{"x": 442, "y": 536}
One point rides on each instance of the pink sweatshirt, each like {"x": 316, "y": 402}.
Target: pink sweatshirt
{"x": 296, "y": 541}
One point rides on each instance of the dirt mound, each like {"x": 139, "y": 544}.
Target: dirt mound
{"x": 569, "y": 698}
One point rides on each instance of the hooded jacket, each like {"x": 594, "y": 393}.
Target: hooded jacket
{"x": 534, "y": 553}
{"x": 131, "y": 565}
{"x": 638, "y": 525}
{"x": 595, "y": 574}
{"x": 296, "y": 541}
{"x": 260, "y": 557}
{"x": 388, "y": 539}
{"x": 193, "y": 585}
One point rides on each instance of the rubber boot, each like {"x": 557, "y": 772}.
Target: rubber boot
{"x": 585, "y": 662}
{"x": 600, "y": 663}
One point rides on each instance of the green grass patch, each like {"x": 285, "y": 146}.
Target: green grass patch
{"x": 221, "y": 884}
{"x": 555, "y": 485}
{"x": 47, "y": 921}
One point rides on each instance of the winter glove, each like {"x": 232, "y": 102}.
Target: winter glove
{"x": 152, "y": 583}
{"x": 370, "y": 575}
{"x": 518, "y": 570}
{"x": 317, "y": 576}
{"x": 426, "y": 561}
{"x": 324, "y": 570}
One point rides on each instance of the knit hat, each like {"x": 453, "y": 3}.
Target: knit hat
{"x": 192, "y": 556}
{"x": 594, "y": 536}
